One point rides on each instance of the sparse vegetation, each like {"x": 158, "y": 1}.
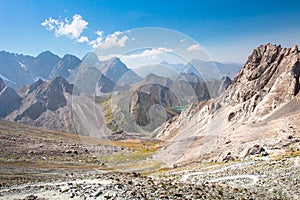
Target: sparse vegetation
{"x": 105, "y": 103}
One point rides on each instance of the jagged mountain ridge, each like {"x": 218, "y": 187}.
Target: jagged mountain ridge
{"x": 96, "y": 77}
{"x": 116, "y": 71}
{"x": 64, "y": 67}
{"x": 9, "y": 99}
{"x": 41, "y": 103}
{"x": 54, "y": 105}
{"x": 18, "y": 69}
{"x": 259, "y": 108}
{"x": 46, "y": 104}
{"x": 157, "y": 99}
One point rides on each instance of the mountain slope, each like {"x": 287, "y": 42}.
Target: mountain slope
{"x": 18, "y": 69}
{"x": 46, "y": 104}
{"x": 255, "y": 111}
{"x": 42, "y": 65}
{"x": 116, "y": 71}
{"x": 14, "y": 70}
{"x": 64, "y": 66}
{"x": 9, "y": 99}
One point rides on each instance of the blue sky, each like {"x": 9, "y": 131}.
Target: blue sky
{"x": 228, "y": 31}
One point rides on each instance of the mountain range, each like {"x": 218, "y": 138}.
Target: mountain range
{"x": 39, "y": 90}
{"x": 18, "y": 69}
{"x": 205, "y": 69}
{"x": 257, "y": 113}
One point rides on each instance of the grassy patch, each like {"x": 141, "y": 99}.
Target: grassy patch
{"x": 138, "y": 151}
{"x": 110, "y": 120}
{"x": 295, "y": 153}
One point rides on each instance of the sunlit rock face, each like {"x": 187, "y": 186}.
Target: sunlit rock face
{"x": 257, "y": 108}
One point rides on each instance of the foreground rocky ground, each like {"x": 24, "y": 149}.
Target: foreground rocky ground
{"x": 255, "y": 179}
{"x": 41, "y": 164}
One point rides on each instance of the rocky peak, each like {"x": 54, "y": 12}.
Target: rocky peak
{"x": 91, "y": 59}
{"x": 46, "y": 54}
{"x": 60, "y": 84}
{"x": 9, "y": 99}
{"x": 117, "y": 72}
{"x": 143, "y": 101}
{"x": 225, "y": 82}
{"x": 269, "y": 79}
{"x": 43, "y": 97}
{"x": 70, "y": 58}
{"x": 2, "y": 84}
{"x": 43, "y": 64}
{"x": 35, "y": 85}
{"x": 153, "y": 78}
{"x": 65, "y": 65}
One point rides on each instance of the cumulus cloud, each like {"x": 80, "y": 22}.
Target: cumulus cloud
{"x": 116, "y": 39}
{"x": 149, "y": 53}
{"x": 109, "y": 56}
{"x": 83, "y": 39}
{"x": 71, "y": 29}
{"x": 74, "y": 28}
{"x": 146, "y": 54}
{"x": 194, "y": 47}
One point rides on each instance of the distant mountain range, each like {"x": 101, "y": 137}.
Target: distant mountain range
{"x": 39, "y": 90}
{"x": 205, "y": 69}
{"x": 18, "y": 69}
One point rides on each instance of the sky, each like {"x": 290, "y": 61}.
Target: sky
{"x": 227, "y": 30}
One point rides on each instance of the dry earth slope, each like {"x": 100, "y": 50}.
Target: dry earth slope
{"x": 257, "y": 114}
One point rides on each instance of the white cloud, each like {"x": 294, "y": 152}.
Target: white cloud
{"x": 74, "y": 28}
{"x": 146, "y": 54}
{"x": 182, "y": 40}
{"x": 194, "y": 47}
{"x": 71, "y": 29}
{"x": 50, "y": 24}
{"x": 116, "y": 39}
{"x": 149, "y": 53}
{"x": 83, "y": 39}
{"x": 107, "y": 57}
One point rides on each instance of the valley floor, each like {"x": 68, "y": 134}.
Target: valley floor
{"x": 42, "y": 164}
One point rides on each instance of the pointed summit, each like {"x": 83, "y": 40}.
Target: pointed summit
{"x": 116, "y": 71}
{"x": 43, "y": 64}
{"x": 65, "y": 65}
{"x": 9, "y": 99}
{"x": 91, "y": 59}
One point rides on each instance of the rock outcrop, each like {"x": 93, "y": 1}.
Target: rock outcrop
{"x": 117, "y": 71}
{"x": 9, "y": 99}
{"x": 256, "y": 109}
{"x": 65, "y": 66}
{"x": 147, "y": 96}
{"x": 269, "y": 79}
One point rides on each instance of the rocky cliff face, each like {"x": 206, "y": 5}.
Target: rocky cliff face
{"x": 65, "y": 66}
{"x": 147, "y": 96}
{"x": 9, "y": 100}
{"x": 13, "y": 69}
{"x": 259, "y": 108}
{"x": 269, "y": 79}
{"x": 46, "y": 104}
{"x": 18, "y": 69}
{"x": 42, "y": 65}
{"x": 117, "y": 71}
